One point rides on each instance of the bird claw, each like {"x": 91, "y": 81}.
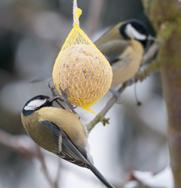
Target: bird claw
{"x": 65, "y": 99}
{"x": 62, "y": 100}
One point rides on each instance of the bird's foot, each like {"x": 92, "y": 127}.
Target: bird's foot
{"x": 61, "y": 100}
{"x": 64, "y": 94}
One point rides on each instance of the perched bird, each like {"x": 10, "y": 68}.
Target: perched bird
{"x": 58, "y": 131}
{"x": 124, "y": 47}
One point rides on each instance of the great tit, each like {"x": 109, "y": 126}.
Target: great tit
{"x": 58, "y": 131}
{"x": 124, "y": 47}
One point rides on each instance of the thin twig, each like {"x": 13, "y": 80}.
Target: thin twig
{"x": 45, "y": 171}
{"x": 139, "y": 77}
{"x": 25, "y": 146}
{"x": 56, "y": 182}
{"x": 52, "y": 183}
{"x": 21, "y": 144}
{"x": 100, "y": 116}
{"x": 151, "y": 52}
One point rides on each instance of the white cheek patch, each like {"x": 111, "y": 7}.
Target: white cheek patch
{"x": 34, "y": 104}
{"x": 133, "y": 33}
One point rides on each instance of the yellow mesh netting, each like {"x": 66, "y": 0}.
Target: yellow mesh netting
{"x": 80, "y": 68}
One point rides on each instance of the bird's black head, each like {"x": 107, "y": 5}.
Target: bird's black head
{"x": 134, "y": 29}
{"x": 36, "y": 103}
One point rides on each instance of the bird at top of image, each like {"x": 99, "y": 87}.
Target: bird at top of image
{"x": 124, "y": 46}
{"x": 58, "y": 131}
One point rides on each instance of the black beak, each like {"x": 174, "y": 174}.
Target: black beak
{"x": 54, "y": 99}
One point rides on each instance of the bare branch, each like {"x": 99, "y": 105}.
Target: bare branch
{"x": 21, "y": 144}
{"x": 151, "y": 53}
{"x": 25, "y": 146}
{"x": 56, "y": 183}
{"x": 45, "y": 171}
{"x": 139, "y": 77}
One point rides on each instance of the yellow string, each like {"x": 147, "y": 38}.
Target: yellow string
{"x": 77, "y": 12}
{"x": 77, "y": 36}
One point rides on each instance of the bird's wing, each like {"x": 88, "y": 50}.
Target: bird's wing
{"x": 66, "y": 148}
{"x": 113, "y": 49}
{"x": 121, "y": 61}
{"x": 72, "y": 153}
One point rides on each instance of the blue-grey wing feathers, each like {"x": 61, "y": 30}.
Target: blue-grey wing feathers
{"x": 72, "y": 153}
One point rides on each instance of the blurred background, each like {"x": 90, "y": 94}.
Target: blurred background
{"x": 31, "y": 34}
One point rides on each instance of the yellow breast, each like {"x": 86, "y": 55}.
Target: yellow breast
{"x": 128, "y": 65}
{"x": 68, "y": 121}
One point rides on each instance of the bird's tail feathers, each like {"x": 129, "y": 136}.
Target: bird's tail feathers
{"x": 100, "y": 176}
